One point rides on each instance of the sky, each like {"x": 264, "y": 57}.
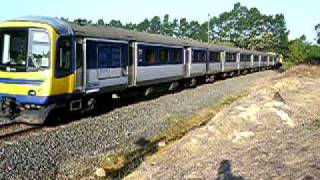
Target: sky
{"x": 301, "y": 15}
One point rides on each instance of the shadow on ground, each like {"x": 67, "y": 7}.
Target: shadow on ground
{"x": 225, "y": 171}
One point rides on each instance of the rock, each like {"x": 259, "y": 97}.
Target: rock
{"x": 285, "y": 117}
{"x": 162, "y": 144}
{"x": 277, "y": 96}
{"x": 193, "y": 175}
{"x": 100, "y": 172}
{"x": 238, "y": 136}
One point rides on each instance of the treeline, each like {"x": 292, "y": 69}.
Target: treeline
{"x": 240, "y": 27}
{"x": 301, "y": 51}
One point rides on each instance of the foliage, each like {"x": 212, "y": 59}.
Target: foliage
{"x": 301, "y": 52}
{"x": 240, "y": 27}
{"x": 297, "y": 50}
{"x": 248, "y": 28}
{"x": 317, "y": 28}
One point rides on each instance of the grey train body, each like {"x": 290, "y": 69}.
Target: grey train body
{"x": 113, "y": 60}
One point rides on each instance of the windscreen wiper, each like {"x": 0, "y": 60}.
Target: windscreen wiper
{"x": 36, "y": 65}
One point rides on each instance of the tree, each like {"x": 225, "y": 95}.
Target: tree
{"x": 297, "y": 49}
{"x": 183, "y": 27}
{"x": 64, "y": 19}
{"x": 241, "y": 27}
{"x": 115, "y": 23}
{"x": 144, "y": 26}
{"x": 166, "y": 26}
{"x": 317, "y": 28}
{"x": 155, "y": 25}
{"x": 130, "y": 26}
{"x": 194, "y": 30}
{"x": 204, "y": 32}
{"x": 174, "y": 27}
{"x": 82, "y": 22}
{"x": 245, "y": 27}
{"x": 266, "y": 42}
{"x": 100, "y": 22}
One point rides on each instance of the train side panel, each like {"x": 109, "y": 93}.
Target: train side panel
{"x": 107, "y": 65}
{"x": 159, "y": 63}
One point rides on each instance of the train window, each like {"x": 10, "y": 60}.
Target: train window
{"x": 40, "y": 51}
{"x": 256, "y": 58}
{"x": 150, "y": 56}
{"x": 214, "y": 56}
{"x": 14, "y": 48}
{"x": 79, "y": 52}
{"x": 109, "y": 57}
{"x": 103, "y": 54}
{"x": 164, "y": 56}
{"x": 140, "y": 55}
{"x": 115, "y": 57}
{"x": 175, "y": 55}
{"x": 272, "y": 59}
{"x": 63, "y": 63}
{"x": 249, "y": 57}
{"x": 245, "y": 57}
{"x": 231, "y": 57}
{"x": 265, "y": 58}
{"x": 203, "y": 55}
{"x": 199, "y": 56}
{"x": 195, "y": 56}
{"x": 242, "y": 57}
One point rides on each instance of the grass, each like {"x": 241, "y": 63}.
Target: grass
{"x": 180, "y": 126}
{"x": 317, "y": 123}
{"x": 121, "y": 162}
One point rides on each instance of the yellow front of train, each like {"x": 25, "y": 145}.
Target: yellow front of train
{"x": 35, "y": 70}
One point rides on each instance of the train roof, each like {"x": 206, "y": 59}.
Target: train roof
{"x": 97, "y": 31}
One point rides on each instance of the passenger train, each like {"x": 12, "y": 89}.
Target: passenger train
{"x": 47, "y": 63}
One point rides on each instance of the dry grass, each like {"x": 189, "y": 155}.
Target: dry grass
{"x": 180, "y": 126}
{"x": 303, "y": 71}
{"x": 121, "y": 162}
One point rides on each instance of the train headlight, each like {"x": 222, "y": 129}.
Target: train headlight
{"x": 32, "y": 93}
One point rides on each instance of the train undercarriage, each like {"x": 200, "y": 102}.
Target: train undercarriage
{"x": 12, "y": 111}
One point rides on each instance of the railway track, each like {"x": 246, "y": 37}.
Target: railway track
{"x": 12, "y": 130}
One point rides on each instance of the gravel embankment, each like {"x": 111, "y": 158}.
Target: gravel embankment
{"x": 64, "y": 151}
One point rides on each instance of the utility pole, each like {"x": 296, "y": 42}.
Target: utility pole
{"x": 208, "y": 28}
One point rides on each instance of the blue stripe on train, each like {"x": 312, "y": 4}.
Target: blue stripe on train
{"x": 39, "y": 100}
{"x": 21, "y": 81}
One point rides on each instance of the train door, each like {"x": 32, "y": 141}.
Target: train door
{"x": 79, "y": 65}
{"x": 238, "y": 60}
{"x": 109, "y": 61}
{"x": 133, "y": 61}
{"x": 187, "y": 61}
{"x": 222, "y": 59}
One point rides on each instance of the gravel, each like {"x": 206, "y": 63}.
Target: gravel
{"x": 75, "y": 148}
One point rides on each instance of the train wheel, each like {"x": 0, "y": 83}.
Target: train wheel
{"x": 210, "y": 78}
{"x": 193, "y": 82}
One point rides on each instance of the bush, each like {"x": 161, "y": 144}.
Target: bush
{"x": 301, "y": 51}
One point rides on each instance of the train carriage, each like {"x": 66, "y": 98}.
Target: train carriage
{"x": 159, "y": 63}
{"x": 256, "y": 61}
{"x": 47, "y": 63}
{"x": 198, "y": 62}
{"x": 214, "y": 61}
{"x": 245, "y": 60}
{"x": 231, "y": 62}
{"x": 264, "y": 61}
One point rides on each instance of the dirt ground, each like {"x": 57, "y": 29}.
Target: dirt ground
{"x": 273, "y": 133}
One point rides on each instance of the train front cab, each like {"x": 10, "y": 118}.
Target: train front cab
{"x": 37, "y": 71}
